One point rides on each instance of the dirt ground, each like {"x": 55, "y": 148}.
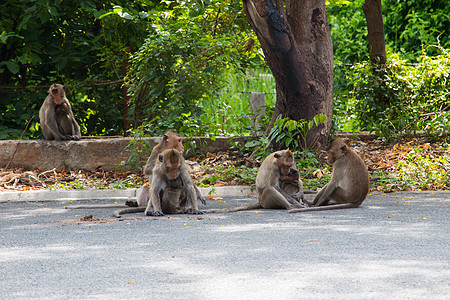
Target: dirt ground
{"x": 377, "y": 155}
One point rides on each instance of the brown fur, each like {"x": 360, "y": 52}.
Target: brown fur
{"x": 56, "y": 116}
{"x": 172, "y": 190}
{"x": 269, "y": 185}
{"x": 349, "y": 182}
{"x": 170, "y": 140}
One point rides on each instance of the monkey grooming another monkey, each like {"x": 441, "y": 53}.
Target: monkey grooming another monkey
{"x": 269, "y": 185}
{"x": 56, "y": 116}
{"x": 349, "y": 182}
{"x": 171, "y": 190}
{"x": 170, "y": 140}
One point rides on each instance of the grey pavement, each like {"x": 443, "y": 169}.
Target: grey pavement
{"x": 396, "y": 246}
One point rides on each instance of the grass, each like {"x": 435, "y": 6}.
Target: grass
{"x": 229, "y": 113}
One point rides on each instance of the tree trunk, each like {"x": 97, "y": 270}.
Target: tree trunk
{"x": 299, "y": 52}
{"x": 375, "y": 29}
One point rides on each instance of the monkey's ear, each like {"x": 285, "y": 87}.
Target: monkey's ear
{"x": 277, "y": 155}
{"x": 160, "y": 157}
{"x": 344, "y": 149}
{"x": 165, "y": 138}
{"x": 64, "y": 87}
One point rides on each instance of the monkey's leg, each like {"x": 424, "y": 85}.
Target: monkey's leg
{"x": 271, "y": 198}
{"x": 324, "y": 195}
{"x": 142, "y": 196}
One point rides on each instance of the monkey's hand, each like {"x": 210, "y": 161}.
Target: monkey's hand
{"x": 155, "y": 213}
{"x": 202, "y": 200}
{"x": 197, "y": 212}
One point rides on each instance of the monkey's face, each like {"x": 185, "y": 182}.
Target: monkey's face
{"x": 57, "y": 92}
{"x": 330, "y": 157}
{"x": 174, "y": 142}
{"x": 172, "y": 170}
{"x": 179, "y": 144}
{"x": 285, "y": 168}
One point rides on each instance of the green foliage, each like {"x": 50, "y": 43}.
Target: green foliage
{"x": 411, "y": 24}
{"x": 291, "y": 133}
{"x": 238, "y": 175}
{"x": 180, "y": 64}
{"x": 397, "y": 98}
{"x": 229, "y": 112}
{"x": 43, "y": 42}
{"x": 418, "y": 172}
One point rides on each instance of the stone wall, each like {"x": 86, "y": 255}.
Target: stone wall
{"x": 89, "y": 153}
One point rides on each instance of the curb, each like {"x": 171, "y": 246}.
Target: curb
{"x": 110, "y": 194}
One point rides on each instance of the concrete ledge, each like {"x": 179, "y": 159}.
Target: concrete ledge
{"x": 106, "y": 194}
{"x": 92, "y": 154}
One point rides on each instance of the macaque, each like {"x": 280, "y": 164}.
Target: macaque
{"x": 349, "y": 182}
{"x": 56, "y": 117}
{"x": 171, "y": 189}
{"x": 277, "y": 171}
{"x": 291, "y": 183}
{"x": 170, "y": 140}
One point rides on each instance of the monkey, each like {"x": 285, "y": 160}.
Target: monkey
{"x": 171, "y": 190}
{"x": 349, "y": 183}
{"x": 56, "y": 116}
{"x": 276, "y": 168}
{"x": 170, "y": 140}
{"x": 290, "y": 182}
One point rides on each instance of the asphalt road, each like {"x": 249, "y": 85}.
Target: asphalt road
{"x": 396, "y": 246}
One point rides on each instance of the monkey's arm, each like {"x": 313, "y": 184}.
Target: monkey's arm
{"x": 323, "y": 196}
{"x": 76, "y": 130}
{"x": 154, "y": 203}
{"x": 51, "y": 124}
{"x": 148, "y": 168}
{"x": 289, "y": 198}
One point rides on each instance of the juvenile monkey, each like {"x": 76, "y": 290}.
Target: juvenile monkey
{"x": 291, "y": 183}
{"x": 349, "y": 182}
{"x": 276, "y": 167}
{"x": 170, "y": 140}
{"x": 171, "y": 190}
{"x": 56, "y": 116}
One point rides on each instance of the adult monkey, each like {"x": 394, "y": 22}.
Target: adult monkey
{"x": 171, "y": 190}
{"x": 170, "y": 140}
{"x": 277, "y": 166}
{"x": 349, "y": 182}
{"x": 56, "y": 116}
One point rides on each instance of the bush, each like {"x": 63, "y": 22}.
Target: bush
{"x": 402, "y": 97}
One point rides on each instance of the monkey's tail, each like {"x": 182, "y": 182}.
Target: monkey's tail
{"x": 234, "y": 209}
{"x": 96, "y": 206}
{"x": 319, "y": 208}
{"x": 118, "y": 213}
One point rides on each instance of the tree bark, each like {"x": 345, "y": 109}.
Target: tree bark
{"x": 375, "y": 29}
{"x": 299, "y": 52}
